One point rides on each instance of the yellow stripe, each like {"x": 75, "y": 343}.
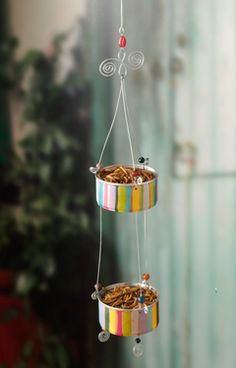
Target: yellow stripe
{"x": 113, "y": 321}
{"x": 136, "y": 193}
{"x": 151, "y": 193}
{"x": 121, "y": 205}
{"x": 126, "y": 323}
{"x": 154, "y": 316}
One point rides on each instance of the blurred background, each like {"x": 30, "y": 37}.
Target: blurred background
{"x": 55, "y": 110}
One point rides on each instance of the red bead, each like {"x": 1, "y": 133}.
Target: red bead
{"x": 122, "y": 41}
{"x": 134, "y": 173}
{"x": 146, "y": 276}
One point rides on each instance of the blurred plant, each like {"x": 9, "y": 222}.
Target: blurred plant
{"x": 44, "y": 193}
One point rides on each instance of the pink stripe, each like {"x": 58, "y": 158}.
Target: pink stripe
{"x": 111, "y": 202}
{"x": 135, "y": 317}
{"x": 105, "y": 195}
{"x": 119, "y": 323}
{"x": 146, "y": 197}
{"x": 143, "y": 323}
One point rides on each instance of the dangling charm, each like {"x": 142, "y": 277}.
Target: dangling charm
{"x": 138, "y": 348}
{"x": 103, "y": 336}
{"x": 94, "y": 170}
{"x": 94, "y": 295}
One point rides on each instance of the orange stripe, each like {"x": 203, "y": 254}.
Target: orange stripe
{"x": 136, "y": 193}
{"x": 154, "y": 316}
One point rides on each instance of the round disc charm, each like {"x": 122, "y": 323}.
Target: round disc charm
{"x": 103, "y": 336}
{"x": 138, "y": 350}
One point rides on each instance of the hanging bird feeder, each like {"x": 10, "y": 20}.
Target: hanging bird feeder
{"x": 128, "y": 317}
{"x": 122, "y": 189}
{"x": 126, "y": 309}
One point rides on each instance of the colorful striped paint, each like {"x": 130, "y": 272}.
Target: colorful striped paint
{"x": 128, "y": 322}
{"x": 154, "y": 316}
{"x": 113, "y": 321}
{"x": 126, "y": 198}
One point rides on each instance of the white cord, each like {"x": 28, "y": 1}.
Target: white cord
{"x": 127, "y": 123}
{"x": 145, "y": 248}
{"x": 138, "y": 251}
{"x": 131, "y": 125}
{"x": 121, "y": 30}
{"x": 100, "y": 248}
{"x": 111, "y": 127}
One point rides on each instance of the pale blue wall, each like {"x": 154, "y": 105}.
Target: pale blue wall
{"x": 183, "y": 107}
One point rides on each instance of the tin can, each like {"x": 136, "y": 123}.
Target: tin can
{"x": 128, "y": 322}
{"x": 127, "y": 197}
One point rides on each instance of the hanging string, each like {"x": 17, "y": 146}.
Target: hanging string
{"x": 111, "y": 127}
{"x": 131, "y": 125}
{"x": 100, "y": 247}
{"x": 125, "y": 106}
{"x": 138, "y": 251}
{"x": 127, "y": 122}
{"x": 145, "y": 247}
{"x": 121, "y": 30}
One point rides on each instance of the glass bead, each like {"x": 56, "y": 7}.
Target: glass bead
{"x": 103, "y": 336}
{"x": 146, "y": 276}
{"x": 134, "y": 173}
{"x": 141, "y": 299}
{"x": 122, "y": 41}
{"x": 141, "y": 160}
{"x": 138, "y": 350}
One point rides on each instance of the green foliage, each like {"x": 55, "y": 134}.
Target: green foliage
{"x": 54, "y": 354}
{"x": 47, "y": 200}
{"x": 9, "y": 315}
{"x": 52, "y": 197}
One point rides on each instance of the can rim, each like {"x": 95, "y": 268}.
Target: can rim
{"x": 128, "y": 284}
{"x": 148, "y": 168}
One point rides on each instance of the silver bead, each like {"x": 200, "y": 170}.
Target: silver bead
{"x": 139, "y": 180}
{"x": 103, "y": 336}
{"x": 93, "y": 170}
{"x": 94, "y": 295}
{"x": 138, "y": 350}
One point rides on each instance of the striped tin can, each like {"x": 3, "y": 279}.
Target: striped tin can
{"x": 127, "y": 197}
{"x": 128, "y": 322}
